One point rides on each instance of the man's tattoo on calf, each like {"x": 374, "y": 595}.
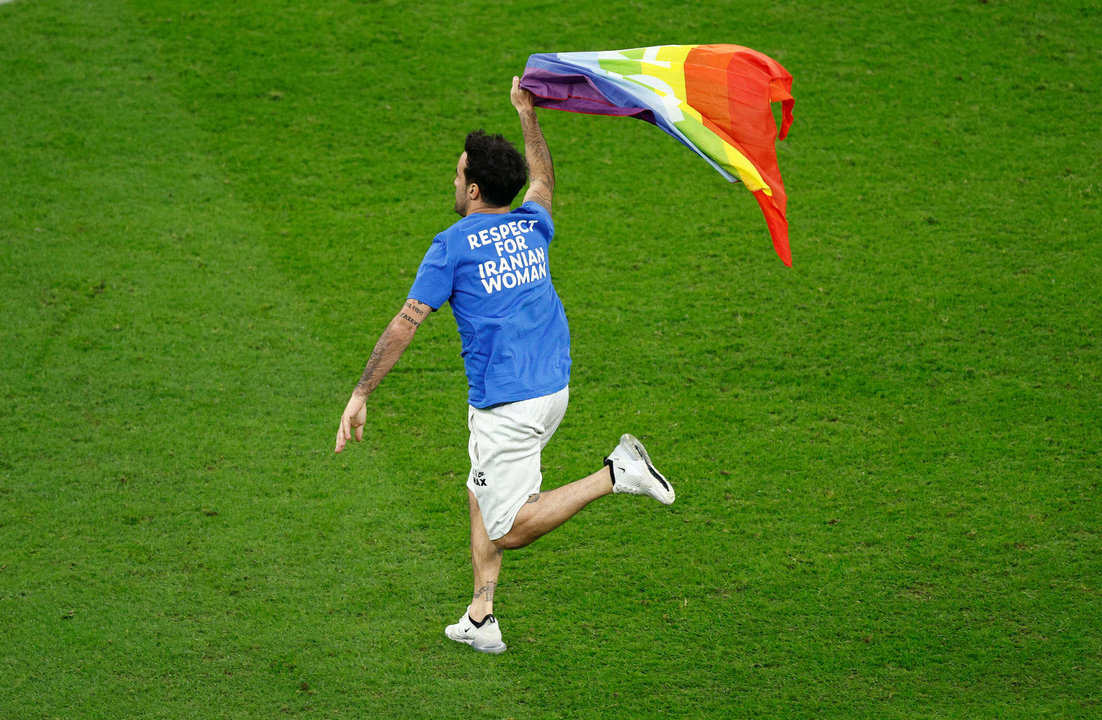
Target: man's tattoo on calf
{"x": 486, "y": 590}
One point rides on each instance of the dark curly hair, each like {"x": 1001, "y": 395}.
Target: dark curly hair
{"x": 495, "y": 166}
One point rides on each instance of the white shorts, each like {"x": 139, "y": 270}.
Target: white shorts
{"x": 505, "y": 445}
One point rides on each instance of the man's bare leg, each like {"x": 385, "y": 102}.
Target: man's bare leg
{"x": 540, "y": 515}
{"x": 486, "y": 562}
{"x": 634, "y": 474}
{"x": 546, "y": 511}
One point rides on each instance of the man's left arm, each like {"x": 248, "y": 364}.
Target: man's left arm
{"x": 391, "y": 344}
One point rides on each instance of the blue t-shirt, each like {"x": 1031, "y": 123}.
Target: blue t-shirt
{"x": 493, "y": 270}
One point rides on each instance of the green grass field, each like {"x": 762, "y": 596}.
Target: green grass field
{"x": 886, "y": 457}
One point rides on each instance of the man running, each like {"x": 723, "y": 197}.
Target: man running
{"x": 492, "y": 266}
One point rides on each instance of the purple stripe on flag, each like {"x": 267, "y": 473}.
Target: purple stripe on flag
{"x": 575, "y": 93}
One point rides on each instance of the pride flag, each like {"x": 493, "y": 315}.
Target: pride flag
{"x": 715, "y": 99}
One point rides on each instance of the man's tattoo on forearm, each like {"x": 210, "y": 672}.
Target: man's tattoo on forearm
{"x": 389, "y": 348}
{"x": 486, "y": 591}
{"x": 373, "y": 362}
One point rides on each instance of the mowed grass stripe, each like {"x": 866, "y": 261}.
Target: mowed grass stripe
{"x": 160, "y": 403}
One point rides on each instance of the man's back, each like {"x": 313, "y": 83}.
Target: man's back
{"x": 493, "y": 269}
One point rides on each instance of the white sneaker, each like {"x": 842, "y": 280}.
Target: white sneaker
{"x": 633, "y": 472}
{"x": 483, "y": 637}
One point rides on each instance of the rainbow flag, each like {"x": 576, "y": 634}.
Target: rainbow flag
{"x": 715, "y": 99}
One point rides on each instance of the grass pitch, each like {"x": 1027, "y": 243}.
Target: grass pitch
{"x": 886, "y": 457}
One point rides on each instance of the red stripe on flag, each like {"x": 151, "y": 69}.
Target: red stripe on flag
{"x": 778, "y": 226}
{"x": 732, "y": 87}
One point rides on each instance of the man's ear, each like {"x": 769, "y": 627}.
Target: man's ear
{"x": 474, "y": 192}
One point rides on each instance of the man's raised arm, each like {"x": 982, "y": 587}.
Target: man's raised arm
{"x": 392, "y": 343}
{"x": 541, "y": 172}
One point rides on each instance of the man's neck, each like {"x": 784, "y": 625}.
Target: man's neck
{"x": 488, "y": 210}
